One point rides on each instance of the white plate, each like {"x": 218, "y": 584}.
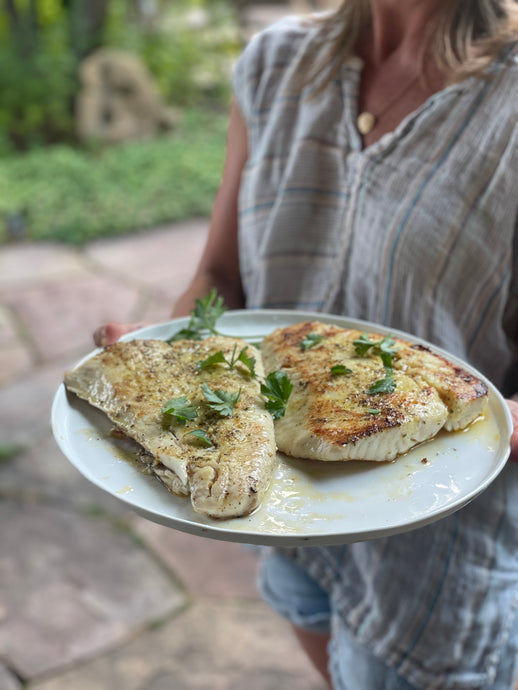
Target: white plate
{"x": 309, "y": 503}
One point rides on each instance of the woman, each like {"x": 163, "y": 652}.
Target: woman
{"x": 371, "y": 171}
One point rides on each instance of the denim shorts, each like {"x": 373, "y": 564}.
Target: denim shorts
{"x": 293, "y": 594}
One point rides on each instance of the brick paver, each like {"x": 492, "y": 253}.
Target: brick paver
{"x": 223, "y": 570}
{"x": 59, "y": 317}
{"x": 208, "y": 647}
{"x": 162, "y": 261}
{"x": 77, "y": 588}
{"x": 22, "y": 265}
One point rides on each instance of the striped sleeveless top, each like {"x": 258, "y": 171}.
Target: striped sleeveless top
{"x": 415, "y": 231}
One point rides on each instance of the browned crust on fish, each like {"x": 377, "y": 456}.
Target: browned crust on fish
{"x": 335, "y": 417}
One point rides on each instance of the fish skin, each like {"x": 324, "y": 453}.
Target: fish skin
{"x": 132, "y": 381}
{"x": 335, "y": 418}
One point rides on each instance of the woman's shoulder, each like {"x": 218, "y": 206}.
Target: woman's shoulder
{"x": 285, "y": 31}
{"x": 270, "y": 53}
{"x": 289, "y": 38}
{"x": 278, "y": 43}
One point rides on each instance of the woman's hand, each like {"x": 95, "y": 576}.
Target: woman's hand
{"x": 111, "y": 332}
{"x": 513, "y": 406}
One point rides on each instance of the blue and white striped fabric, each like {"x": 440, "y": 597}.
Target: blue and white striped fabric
{"x": 415, "y": 232}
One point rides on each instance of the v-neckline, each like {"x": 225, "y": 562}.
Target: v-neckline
{"x": 350, "y": 83}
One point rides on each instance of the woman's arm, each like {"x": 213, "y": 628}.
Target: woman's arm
{"x": 219, "y": 264}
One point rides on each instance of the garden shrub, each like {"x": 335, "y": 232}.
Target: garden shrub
{"x": 57, "y": 190}
{"x": 71, "y": 195}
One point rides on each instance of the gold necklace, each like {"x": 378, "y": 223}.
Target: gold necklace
{"x": 366, "y": 121}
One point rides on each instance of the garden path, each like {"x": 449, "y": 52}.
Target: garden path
{"x": 91, "y": 594}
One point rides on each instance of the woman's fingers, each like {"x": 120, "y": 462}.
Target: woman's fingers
{"x": 513, "y": 406}
{"x": 111, "y": 332}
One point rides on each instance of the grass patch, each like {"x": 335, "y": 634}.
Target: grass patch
{"x": 73, "y": 196}
{"x": 9, "y": 451}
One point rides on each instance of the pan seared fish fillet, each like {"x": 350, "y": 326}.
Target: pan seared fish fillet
{"x": 336, "y": 418}
{"x": 131, "y": 382}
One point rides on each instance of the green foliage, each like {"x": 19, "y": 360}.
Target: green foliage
{"x": 72, "y": 196}
{"x": 189, "y": 49}
{"x": 188, "y": 46}
{"x": 29, "y": 74}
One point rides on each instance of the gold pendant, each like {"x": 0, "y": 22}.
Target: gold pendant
{"x": 365, "y": 122}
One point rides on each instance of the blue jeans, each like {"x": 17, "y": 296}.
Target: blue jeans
{"x": 292, "y": 593}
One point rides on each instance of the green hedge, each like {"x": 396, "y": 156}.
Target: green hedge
{"x": 69, "y": 195}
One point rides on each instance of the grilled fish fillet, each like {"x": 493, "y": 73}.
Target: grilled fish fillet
{"x": 334, "y": 417}
{"x": 131, "y": 382}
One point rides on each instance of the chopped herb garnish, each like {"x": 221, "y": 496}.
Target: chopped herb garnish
{"x": 208, "y": 310}
{"x": 219, "y": 358}
{"x": 387, "y": 350}
{"x": 220, "y": 401}
{"x": 201, "y": 436}
{"x": 385, "y": 385}
{"x": 249, "y": 362}
{"x": 212, "y": 360}
{"x": 203, "y": 318}
{"x": 181, "y": 409}
{"x": 340, "y": 370}
{"x": 310, "y": 340}
{"x": 385, "y": 347}
{"x": 276, "y": 388}
{"x": 373, "y": 410}
{"x": 363, "y": 344}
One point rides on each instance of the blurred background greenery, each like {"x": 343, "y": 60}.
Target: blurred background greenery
{"x": 71, "y": 168}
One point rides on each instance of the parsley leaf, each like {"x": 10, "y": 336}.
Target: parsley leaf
{"x": 276, "y": 388}
{"x": 363, "y": 344}
{"x": 203, "y": 318}
{"x": 385, "y": 385}
{"x": 216, "y": 358}
{"x": 340, "y": 370}
{"x": 181, "y": 409}
{"x": 249, "y": 362}
{"x": 185, "y": 334}
{"x": 208, "y": 310}
{"x": 201, "y": 436}
{"x": 387, "y": 350}
{"x": 219, "y": 358}
{"x": 220, "y": 401}
{"x": 310, "y": 340}
{"x": 384, "y": 348}
{"x": 386, "y": 358}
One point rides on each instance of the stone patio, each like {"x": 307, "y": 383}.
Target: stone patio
{"x": 91, "y": 594}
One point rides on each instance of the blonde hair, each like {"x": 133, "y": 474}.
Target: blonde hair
{"x": 467, "y": 36}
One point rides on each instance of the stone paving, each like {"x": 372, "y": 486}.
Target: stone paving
{"x": 92, "y": 595}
